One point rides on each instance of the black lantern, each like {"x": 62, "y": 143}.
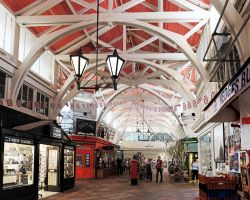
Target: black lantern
{"x": 115, "y": 63}
{"x": 59, "y": 118}
{"x": 79, "y": 63}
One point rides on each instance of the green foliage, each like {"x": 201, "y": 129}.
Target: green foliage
{"x": 178, "y": 154}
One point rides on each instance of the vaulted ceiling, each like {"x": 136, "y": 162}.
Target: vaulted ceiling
{"x": 157, "y": 38}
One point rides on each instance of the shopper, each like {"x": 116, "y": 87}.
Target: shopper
{"x": 126, "y": 166}
{"x": 159, "y": 169}
{"x": 118, "y": 166}
{"x": 149, "y": 170}
{"x": 195, "y": 170}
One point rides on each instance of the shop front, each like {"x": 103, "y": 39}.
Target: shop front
{"x": 228, "y": 138}
{"x": 38, "y": 158}
{"x": 34, "y": 166}
{"x": 19, "y": 155}
{"x": 95, "y": 157}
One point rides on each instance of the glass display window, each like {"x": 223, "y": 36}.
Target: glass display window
{"x": 105, "y": 160}
{"x": 205, "y": 154}
{"x": 18, "y": 166}
{"x": 79, "y": 160}
{"x": 69, "y": 163}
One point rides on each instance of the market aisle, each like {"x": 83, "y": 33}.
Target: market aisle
{"x": 119, "y": 188}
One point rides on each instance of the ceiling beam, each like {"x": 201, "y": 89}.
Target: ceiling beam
{"x": 42, "y": 7}
{"x": 188, "y": 6}
{"x": 89, "y": 5}
{"x": 143, "y": 44}
{"x": 142, "y": 39}
{"x": 85, "y": 41}
{"x": 124, "y": 38}
{"x": 49, "y": 20}
{"x": 150, "y": 56}
{"x": 127, "y": 5}
{"x": 200, "y": 4}
{"x": 189, "y": 26}
{"x": 71, "y": 7}
{"x": 149, "y": 5}
{"x": 29, "y": 7}
{"x": 195, "y": 28}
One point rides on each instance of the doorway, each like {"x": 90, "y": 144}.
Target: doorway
{"x": 85, "y": 161}
{"x": 48, "y": 170}
{"x": 191, "y": 157}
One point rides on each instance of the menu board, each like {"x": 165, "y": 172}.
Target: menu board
{"x": 85, "y": 126}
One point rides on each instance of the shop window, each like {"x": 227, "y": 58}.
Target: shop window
{"x": 18, "y": 164}
{"x": 42, "y": 104}
{"x": 105, "y": 160}
{"x": 79, "y": 160}
{"x": 2, "y": 84}
{"x": 44, "y": 66}
{"x": 68, "y": 163}
{"x": 7, "y": 29}
{"x": 205, "y": 154}
{"x": 25, "y": 96}
{"x": 27, "y": 41}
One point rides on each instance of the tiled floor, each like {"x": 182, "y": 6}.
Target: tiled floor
{"x": 119, "y": 188}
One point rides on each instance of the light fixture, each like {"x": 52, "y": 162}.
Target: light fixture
{"x": 59, "y": 118}
{"x": 79, "y": 62}
{"x": 114, "y": 62}
{"x": 143, "y": 135}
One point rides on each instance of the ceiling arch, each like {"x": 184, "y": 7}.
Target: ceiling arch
{"x": 164, "y": 35}
{"x": 178, "y": 83}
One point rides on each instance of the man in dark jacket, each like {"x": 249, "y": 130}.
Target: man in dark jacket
{"x": 159, "y": 168}
{"x": 149, "y": 170}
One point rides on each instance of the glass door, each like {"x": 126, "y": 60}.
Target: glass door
{"x": 53, "y": 168}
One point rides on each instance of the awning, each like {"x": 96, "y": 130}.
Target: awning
{"x": 224, "y": 107}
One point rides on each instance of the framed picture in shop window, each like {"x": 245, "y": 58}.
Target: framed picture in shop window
{"x": 226, "y": 140}
{"x": 219, "y": 146}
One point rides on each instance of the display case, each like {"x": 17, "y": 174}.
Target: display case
{"x": 105, "y": 159}
{"x": 105, "y": 163}
{"x": 205, "y": 154}
{"x": 18, "y": 165}
{"x": 68, "y": 162}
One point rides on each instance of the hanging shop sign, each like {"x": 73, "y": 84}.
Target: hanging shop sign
{"x": 236, "y": 86}
{"x": 56, "y": 132}
{"x": 18, "y": 140}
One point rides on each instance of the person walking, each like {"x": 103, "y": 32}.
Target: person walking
{"x": 195, "y": 170}
{"x": 159, "y": 169}
{"x": 149, "y": 170}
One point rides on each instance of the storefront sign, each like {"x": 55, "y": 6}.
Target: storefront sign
{"x": 18, "y": 140}
{"x": 237, "y": 85}
{"x": 56, "y": 132}
{"x": 69, "y": 147}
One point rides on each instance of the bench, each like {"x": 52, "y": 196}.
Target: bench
{"x": 178, "y": 179}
